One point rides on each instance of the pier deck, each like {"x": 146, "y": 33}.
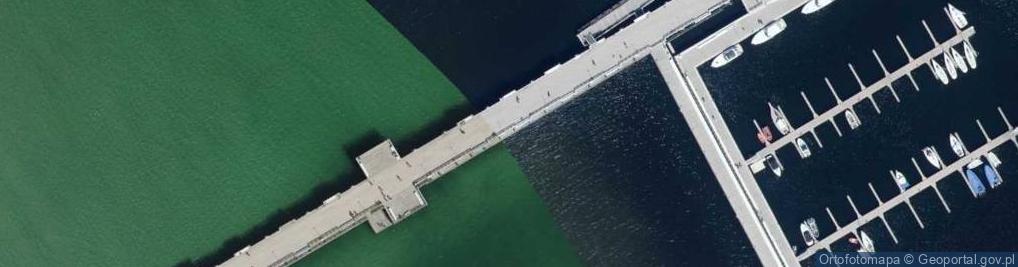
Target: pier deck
{"x": 865, "y": 93}
{"x": 610, "y": 19}
{"x": 930, "y": 181}
{"x": 391, "y": 191}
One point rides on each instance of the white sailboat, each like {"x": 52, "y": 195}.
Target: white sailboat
{"x": 780, "y": 122}
{"x": 865, "y": 243}
{"x": 814, "y": 6}
{"x": 772, "y": 29}
{"x": 959, "y": 60}
{"x": 957, "y": 145}
{"x": 957, "y": 16}
{"x": 970, "y": 54}
{"x": 730, "y": 54}
{"x": 775, "y": 165}
{"x": 950, "y": 66}
{"x": 938, "y": 72}
{"x": 853, "y": 120}
{"x": 933, "y": 157}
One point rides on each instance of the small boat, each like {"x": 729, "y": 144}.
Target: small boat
{"x": 853, "y": 120}
{"x": 993, "y": 159}
{"x": 970, "y": 54}
{"x": 957, "y": 16}
{"x": 864, "y": 242}
{"x": 959, "y": 61}
{"x": 932, "y": 156}
{"x": 815, "y": 5}
{"x": 730, "y": 53}
{"x": 974, "y": 164}
{"x": 774, "y": 164}
{"x": 991, "y": 176}
{"x": 802, "y": 147}
{"x": 809, "y": 231}
{"x": 950, "y": 66}
{"x": 974, "y": 184}
{"x": 899, "y": 179}
{"x": 957, "y": 145}
{"x": 938, "y": 72}
{"x": 764, "y": 135}
{"x": 772, "y": 29}
{"x": 778, "y": 116}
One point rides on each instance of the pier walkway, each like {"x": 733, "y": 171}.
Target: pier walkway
{"x": 866, "y": 92}
{"x": 391, "y": 191}
{"x": 927, "y": 182}
{"x": 611, "y": 19}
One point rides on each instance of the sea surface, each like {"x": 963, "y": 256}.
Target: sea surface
{"x": 619, "y": 170}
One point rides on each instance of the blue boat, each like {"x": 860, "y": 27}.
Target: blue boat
{"x": 974, "y": 184}
{"x": 991, "y": 176}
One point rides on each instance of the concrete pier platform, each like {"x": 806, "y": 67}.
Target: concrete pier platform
{"x": 610, "y": 19}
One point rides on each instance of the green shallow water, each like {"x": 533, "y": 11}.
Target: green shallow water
{"x": 476, "y": 216}
{"x": 153, "y": 133}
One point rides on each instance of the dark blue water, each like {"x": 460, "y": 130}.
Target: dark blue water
{"x": 488, "y": 48}
{"x": 626, "y": 181}
{"x": 821, "y": 45}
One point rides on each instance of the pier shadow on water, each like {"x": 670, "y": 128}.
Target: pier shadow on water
{"x": 323, "y": 191}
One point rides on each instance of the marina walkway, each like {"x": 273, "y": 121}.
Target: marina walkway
{"x": 610, "y": 19}
{"x": 904, "y": 197}
{"x": 391, "y": 191}
{"x": 866, "y": 92}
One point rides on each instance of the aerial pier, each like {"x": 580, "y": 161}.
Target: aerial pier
{"x": 610, "y": 19}
{"x": 905, "y": 197}
{"x": 867, "y": 92}
{"x": 391, "y": 192}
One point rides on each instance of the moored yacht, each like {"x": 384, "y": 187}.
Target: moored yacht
{"x": 970, "y": 54}
{"x": 853, "y": 120}
{"x": 772, "y": 29}
{"x": 932, "y": 156}
{"x": 814, "y": 6}
{"x": 775, "y": 165}
{"x": 864, "y": 242}
{"x": 803, "y": 149}
{"x": 959, "y": 60}
{"x": 974, "y": 184}
{"x": 957, "y": 16}
{"x": 730, "y": 53}
{"x": 938, "y": 72}
{"x": 950, "y": 66}
{"x": 991, "y": 176}
{"x": 993, "y": 159}
{"x": 780, "y": 121}
{"x": 899, "y": 179}
{"x": 957, "y": 145}
{"x": 809, "y": 231}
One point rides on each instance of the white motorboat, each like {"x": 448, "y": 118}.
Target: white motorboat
{"x": 865, "y": 243}
{"x": 899, "y": 179}
{"x": 970, "y": 54}
{"x": 815, "y": 5}
{"x": 730, "y": 53}
{"x": 959, "y": 60}
{"x": 809, "y": 231}
{"x": 938, "y": 72}
{"x": 957, "y": 16}
{"x": 772, "y": 29}
{"x": 775, "y": 165}
{"x": 993, "y": 159}
{"x": 957, "y": 145}
{"x": 974, "y": 164}
{"x": 780, "y": 121}
{"x": 853, "y": 120}
{"x": 803, "y": 149}
{"x": 950, "y": 66}
{"x": 933, "y": 157}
